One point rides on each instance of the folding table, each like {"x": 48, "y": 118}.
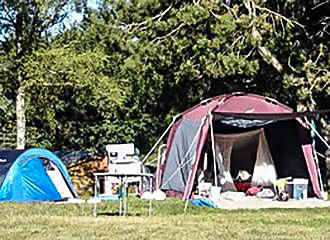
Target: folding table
{"x": 123, "y": 177}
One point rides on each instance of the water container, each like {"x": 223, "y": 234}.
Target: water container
{"x": 300, "y": 188}
{"x": 215, "y": 193}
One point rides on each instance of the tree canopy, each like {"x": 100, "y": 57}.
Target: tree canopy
{"x": 123, "y": 71}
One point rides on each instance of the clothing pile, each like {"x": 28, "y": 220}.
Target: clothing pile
{"x": 243, "y": 184}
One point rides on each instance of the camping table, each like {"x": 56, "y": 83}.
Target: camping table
{"x": 123, "y": 177}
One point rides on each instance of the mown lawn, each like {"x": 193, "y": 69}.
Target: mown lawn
{"x": 76, "y": 221}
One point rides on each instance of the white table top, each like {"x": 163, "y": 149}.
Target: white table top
{"x": 123, "y": 174}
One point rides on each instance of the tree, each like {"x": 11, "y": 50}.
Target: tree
{"x": 25, "y": 27}
{"x": 157, "y": 58}
{"x": 183, "y": 51}
{"x": 70, "y": 96}
{"x": 309, "y": 59}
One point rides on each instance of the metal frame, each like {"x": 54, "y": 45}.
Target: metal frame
{"x": 123, "y": 204}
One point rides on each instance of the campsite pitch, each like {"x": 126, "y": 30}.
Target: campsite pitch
{"x": 75, "y": 221}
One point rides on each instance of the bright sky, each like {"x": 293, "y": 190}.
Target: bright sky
{"x": 74, "y": 17}
{"x": 77, "y": 17}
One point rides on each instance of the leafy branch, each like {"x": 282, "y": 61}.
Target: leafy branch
{"x": 158, "y": 17}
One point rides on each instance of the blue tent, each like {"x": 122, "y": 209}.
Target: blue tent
{"x": 25, "y": 176}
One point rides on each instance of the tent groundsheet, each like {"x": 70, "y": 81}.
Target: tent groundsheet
{"x": 257, "y": 203}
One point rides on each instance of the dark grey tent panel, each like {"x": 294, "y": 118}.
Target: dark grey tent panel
{"x": 178, "y": 166}
{"x": 267, "y": 116}
{"x": 286, "y": 150}
{"x": 7, "y": 158}
{"x": 249, "y": 120}
{"x": 71, "y": 157}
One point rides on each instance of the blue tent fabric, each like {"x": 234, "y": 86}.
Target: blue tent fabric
{"x": 27, "y": 179}
{"x": 21, "y": 183}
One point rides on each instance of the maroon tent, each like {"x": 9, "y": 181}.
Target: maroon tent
{"x": 221, "y": 136}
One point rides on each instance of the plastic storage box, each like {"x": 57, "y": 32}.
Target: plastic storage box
{"x": 299, "y": 188}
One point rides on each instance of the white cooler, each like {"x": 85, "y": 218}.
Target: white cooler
{"x": 298, "y": 188}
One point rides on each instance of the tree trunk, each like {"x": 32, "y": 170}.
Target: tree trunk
{"x": 20, "y": 116}
{"x": 20, "y": 98}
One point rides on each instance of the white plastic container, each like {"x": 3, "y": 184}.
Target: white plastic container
{"x": 300, "y": 186}
{"x": 215, "y": 193}
{"x": 204, "y": 189}
{"x": 324, "y": 195}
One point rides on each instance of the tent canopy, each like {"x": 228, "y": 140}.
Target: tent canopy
{"x": 273, "y": 136}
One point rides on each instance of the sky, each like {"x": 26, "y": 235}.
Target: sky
{"x": 78, "y": 17}
{"x": 75, "y": 17}
{"x": 72, "y": 18}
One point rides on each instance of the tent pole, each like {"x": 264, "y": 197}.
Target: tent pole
{"x": 158, "y": 164}
{"x": 315, "y": 155}
{"x": 316, "y": 132}
{"x": 186, "y": 205}
{"x": 321, "y": 155}
{"x": 213, "y": 150}
{"x": 160, "y": 139}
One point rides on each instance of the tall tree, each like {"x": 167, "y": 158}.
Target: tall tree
{"x": 24, "y": 27}
{"x": 71, "y": 97}
{"x": 183, "y": 51}
{"x": 156, "y": 58}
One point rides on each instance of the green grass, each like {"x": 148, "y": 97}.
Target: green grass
{"x": 76, "y": 221}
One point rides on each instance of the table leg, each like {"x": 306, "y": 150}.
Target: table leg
{"x": 94, "y": 211}
{"x": 95, "y": 194}
{"x": 121, "y": 197}
{"x": 125, "y": 196}
{"x": 150, "y": 200}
